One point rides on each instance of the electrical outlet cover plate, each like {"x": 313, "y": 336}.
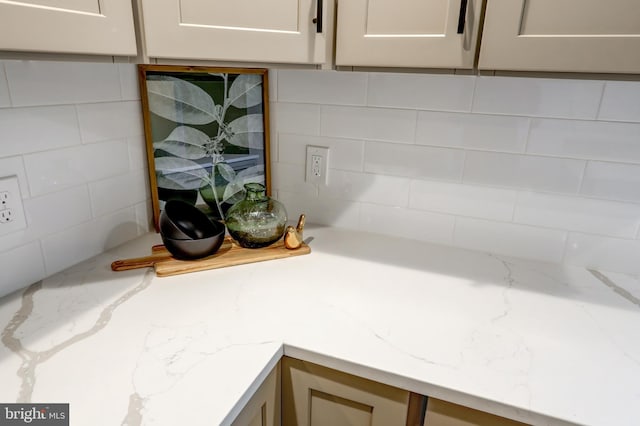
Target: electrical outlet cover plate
{"x": 11, "y": 209}
{"x": 317, "y": 165}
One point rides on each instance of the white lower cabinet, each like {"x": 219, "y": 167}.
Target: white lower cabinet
{"x": 442, "y": 413}
{"x": 263, "y": 409}
{"x": 301, "y": 393}
{"x": 313, "y": 395}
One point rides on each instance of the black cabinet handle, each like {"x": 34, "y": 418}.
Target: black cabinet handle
{"x": 318, "y": 19}
{"x": 462, "y": 17}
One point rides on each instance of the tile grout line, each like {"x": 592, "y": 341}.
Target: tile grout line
{"x": 526, "y": 141}
{"x": 473, "y": 94}
{"x": 582, "y": 176}
{"x": 6, "y": 79}
{"x": 598, "y": 110}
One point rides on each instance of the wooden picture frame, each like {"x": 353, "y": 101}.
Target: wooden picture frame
{"x": 206, "y": 132}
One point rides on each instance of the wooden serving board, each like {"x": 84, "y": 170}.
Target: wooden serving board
{"x": 229, "y": 254}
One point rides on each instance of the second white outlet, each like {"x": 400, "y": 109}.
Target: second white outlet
{"x": 317, "y": 164}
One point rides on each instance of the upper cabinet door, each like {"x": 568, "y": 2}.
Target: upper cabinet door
{"x": 238, "y": 30}
{"x": 562, "y": 35}
{"x": 68, "y": 26}
{"x": 407, "y": 33}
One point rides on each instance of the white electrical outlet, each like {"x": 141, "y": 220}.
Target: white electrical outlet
{"x": 11, "y": 209}
{"x": 317, "y": 165}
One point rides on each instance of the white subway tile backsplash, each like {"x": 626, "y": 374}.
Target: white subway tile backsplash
{"x": 55, "y": 212}
{"x": 52, "y": 83}
{"x": 15, "y": 166}
{"x": 413, "y": 161}
{"x": 613, "y": 181}
{"x": 472, "y": 131}
{"x": 16, "y": 239}
{"x": 621, "y": 101}
{"x": 137, "y": 153}
{"x": 463, "y": 200}
{"x": 322, "y": 87}
{"x": 586, "y": 139}
{"x": 117, "y": 228}
{"x": 273, "y": 84}
{"x": 70, "y": 246}
{"x": 424, "y": 226}
{"x": 144, "y": 217}
{"x": 25, "y": 265}
{"x": 523, "y": 171}
{"x": 421, "y": 91}
{"x": 344, "y": 154}
{"x": 296, "y": 118}
{"x": 509, "y": 239}
{"x": 609, "y": 254}
{"x": 322, "y": 211}
{"x": 400, "y": 147}
{"x": 89, "y": 239}
{"x": 110, "y": 120}
{"x": 292, "y": 148}
{"x": 379, "y": 124}
{"x": 578, "y": 214}
{"x": 5, "y": 98}
{"x": 274, "y": 145}
{"x": 118, "y": 192}
{"x": 291, "y": 178}
{"x": 532, "y": 134}
{"x": 129, "y": 86}
{"x": 51, "y": 171}
{"x": 41, "y": 143}
{"x": 365, "y": 187}
{"x": 538, "y": 97}
{"x": 26, "y": 130}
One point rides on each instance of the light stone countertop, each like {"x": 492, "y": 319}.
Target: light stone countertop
{"x": 540, "y": 343}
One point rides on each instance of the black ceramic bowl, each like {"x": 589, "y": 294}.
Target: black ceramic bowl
{"x": 195, "y": 248}
{"x": 182, "y": 221}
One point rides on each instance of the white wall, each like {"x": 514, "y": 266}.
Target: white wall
{"x": 539, "y": 168}
{"x": 72, "y": 133}
{"x": 546, "y": 169}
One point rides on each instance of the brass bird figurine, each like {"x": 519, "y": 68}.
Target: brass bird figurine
{"x": 293, "y": 236}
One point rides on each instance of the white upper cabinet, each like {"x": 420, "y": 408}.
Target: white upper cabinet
{"x": 239, "y": 30}
{"x": 68, "y": 26}
{"x": 562, "y": 35}
{"x": 407, "y": 33}
{"x": 593, "y": 36}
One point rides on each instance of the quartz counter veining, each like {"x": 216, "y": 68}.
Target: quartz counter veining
{"x": 540, "y": 343}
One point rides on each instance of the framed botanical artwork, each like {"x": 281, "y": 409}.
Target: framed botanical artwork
{"x": 207, "y": 134}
